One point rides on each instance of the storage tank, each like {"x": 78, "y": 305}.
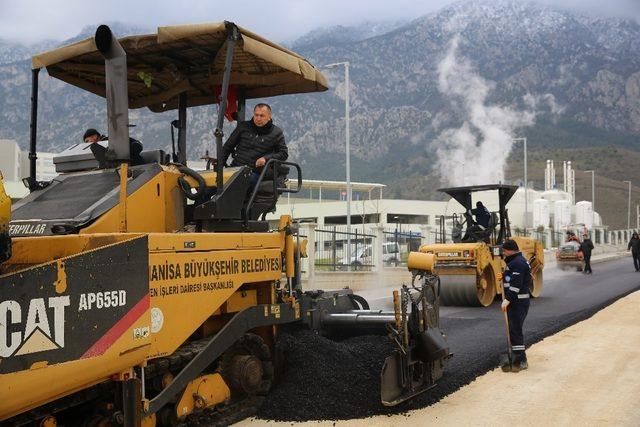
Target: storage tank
{"x": 540, "y": 213}
{"x": 561, "y": 214}
{"x": 597, "y": 219}
{"x": 555, "y": 195}
{"x": 584, "y": 213}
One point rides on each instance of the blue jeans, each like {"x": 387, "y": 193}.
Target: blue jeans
{"x": 254, "y": 178}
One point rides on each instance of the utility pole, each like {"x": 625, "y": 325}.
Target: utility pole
{"x": 348, "y": 152}
{"x": 593, "y": 198}
{"x": 629, "y": 207}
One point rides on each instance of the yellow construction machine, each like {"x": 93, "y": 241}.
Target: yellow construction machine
{"x": 5, "y": 215}
{"x": 123, "y": 303}
{"x": 469, "y": 259}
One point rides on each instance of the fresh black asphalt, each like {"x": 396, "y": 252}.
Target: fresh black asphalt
{"x": 329, "y": 380}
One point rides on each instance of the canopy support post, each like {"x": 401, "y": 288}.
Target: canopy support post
{"x": 182, "y": 130}
{"x": 33, "y": 129}
{"x": 232, "y": 36}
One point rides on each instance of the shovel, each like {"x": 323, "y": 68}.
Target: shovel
{"x": 506, "y": 360}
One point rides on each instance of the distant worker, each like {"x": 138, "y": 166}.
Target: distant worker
{"x": 517, "y": 284}
{"x": 586, "y": 247}
{"x": 135, "y": 146}
{"x": 634, "y": 246}
{"x": 573, "y": 240}
{"x": 482, "y": 215}
{"x": 255, "y": 142}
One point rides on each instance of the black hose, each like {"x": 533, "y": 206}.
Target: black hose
{"x": 358, "y": 300}
{"x": 186, "y": 188}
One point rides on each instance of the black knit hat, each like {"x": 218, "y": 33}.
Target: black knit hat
{"x": 510, "y": 245}
{"x": 90, "y": 132}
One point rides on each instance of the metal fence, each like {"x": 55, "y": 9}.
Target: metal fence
{"x": 331, "y": 249}
{"x": 397, "y": 245}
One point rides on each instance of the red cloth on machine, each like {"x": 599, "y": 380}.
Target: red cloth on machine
{"x": 232, "y": 101}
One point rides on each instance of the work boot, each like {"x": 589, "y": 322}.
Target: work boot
{"x": 506, "y": 363}
{"x": 520, "y": 360}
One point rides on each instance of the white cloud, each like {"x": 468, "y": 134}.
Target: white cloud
{"x": 34, "y": 20}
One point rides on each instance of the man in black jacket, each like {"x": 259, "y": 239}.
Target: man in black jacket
{"x": 586, "y": 247}
{"x": 517, "y": 285}
{"x": 255, "y": 142}
{"x": 135, "y": 146}
{"x": 634, "y": 246}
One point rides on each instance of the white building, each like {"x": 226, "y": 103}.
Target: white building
{"x": 368, "y": 207}
{"x": 14, "y": 165}
{"x": 10, "y": 160}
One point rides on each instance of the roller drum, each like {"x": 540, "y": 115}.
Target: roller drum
{"x": 459, "y": 290}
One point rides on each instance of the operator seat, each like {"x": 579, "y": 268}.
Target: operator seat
{"x": 154, "y": 156}
{"x": 478, "y": 233}
{"x": 266, "y": 199}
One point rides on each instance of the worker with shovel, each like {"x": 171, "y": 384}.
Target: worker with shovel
{"x": 515, "y": 305}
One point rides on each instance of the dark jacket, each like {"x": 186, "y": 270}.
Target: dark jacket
{"x": 634, "y": 245}
{"x": 586, "y": 247}
{"x": 248, "y": 142}
{"x": 517, "y": 279}
{"x": 482, "y": 215}
{"x": 135, "y": 148}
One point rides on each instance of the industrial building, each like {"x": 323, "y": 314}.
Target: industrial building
{"x": 553, "y": 210}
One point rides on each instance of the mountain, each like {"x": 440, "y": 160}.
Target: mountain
{"x": 14, "y": 52}
{"x": 340, "y": 34}
{"x": 569, "y": 82}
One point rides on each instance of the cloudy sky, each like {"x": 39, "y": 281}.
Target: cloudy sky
{"x": 34, "y": 20}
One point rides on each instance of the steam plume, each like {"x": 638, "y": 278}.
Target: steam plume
{"x": 477, "y": 151}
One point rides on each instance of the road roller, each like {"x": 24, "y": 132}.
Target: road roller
{"x": 140, "y": 293}
{"x": 469, "y": 261}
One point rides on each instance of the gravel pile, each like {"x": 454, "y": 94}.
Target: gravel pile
{"x": 325, "y": 379}
{"x": 337, "y": 380}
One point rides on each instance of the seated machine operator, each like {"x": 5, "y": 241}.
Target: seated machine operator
{"x": 135, "y": 146}
{"x": 482, "y": 215}
{"x": 255, "y": 141}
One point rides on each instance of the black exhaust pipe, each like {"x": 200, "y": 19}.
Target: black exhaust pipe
{"x": 115, "y": 69}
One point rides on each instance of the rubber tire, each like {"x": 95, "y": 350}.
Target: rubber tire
{"x": 538, "y": 280}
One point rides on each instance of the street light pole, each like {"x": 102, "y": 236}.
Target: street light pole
{"x": 593, "y": 198}
{"x": 526, "y": 185}
{"x": 629, "y": 207}
{"x": 347, "y": 149}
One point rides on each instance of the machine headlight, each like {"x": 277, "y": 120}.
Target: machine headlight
{"x": 497, "y": 250}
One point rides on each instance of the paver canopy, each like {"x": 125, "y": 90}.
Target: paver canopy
{"x": 187, "y": 58}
